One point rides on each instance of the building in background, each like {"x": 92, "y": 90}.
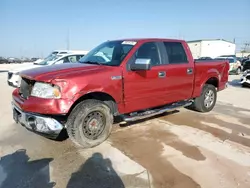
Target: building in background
{"x": 211, "y": 48}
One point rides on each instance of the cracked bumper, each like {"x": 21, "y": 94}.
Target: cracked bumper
{"x": 40, "y": 124}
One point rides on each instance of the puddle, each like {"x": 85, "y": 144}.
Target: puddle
{"x": 195, "y": 120}
{"x": 240, "y": 113}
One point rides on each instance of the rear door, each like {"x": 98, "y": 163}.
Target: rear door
{"x": 179, "y": 72}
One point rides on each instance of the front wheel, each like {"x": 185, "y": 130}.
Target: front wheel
{"x": 206, "y": 101}
{"x": 90, "y": 123}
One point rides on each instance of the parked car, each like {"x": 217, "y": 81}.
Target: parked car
{"x": 3, "y": 60}
{"x": 54, "y": 52}
{"x": 25, "y": 60}
{"x": 234, "y": 56}
{"x": 14, "y": 60}
{"x": 244, "y": 60}
{"x": 245, "y": 79}
{"x": 13, "y": 75}
{"x": 235, "y": 65}
{"x": 140, "y": 78}
{"x": 205, "y": 58}
{"x": 34, "y": 59}
{"x": 246, "y": 65}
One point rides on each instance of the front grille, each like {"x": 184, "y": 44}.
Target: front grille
{"x": 25, "y": 87}
{"x": 9, "y": 75}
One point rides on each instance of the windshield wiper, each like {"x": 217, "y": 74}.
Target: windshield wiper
{"x": 91, "y": 62}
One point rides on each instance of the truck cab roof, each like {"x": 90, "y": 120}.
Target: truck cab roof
{"x": 148, "y": 39}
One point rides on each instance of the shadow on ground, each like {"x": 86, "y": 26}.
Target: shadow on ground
{"x": 17, "y": 170}
{"x": 235, "y": 83}
{"x": 96, "y": 172}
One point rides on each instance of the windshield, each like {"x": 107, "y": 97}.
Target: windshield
{"x": 109, "y": 53}
{"x": 48, "y": 59}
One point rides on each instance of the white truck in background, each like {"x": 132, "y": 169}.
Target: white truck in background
{"x": 212, "y": 48}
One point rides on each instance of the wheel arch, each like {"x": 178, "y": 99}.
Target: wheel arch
{"x": 212, "y": 81}
{"x": 98, "y": 95}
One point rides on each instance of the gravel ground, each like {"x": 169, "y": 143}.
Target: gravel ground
{"x": 178, "y": 149}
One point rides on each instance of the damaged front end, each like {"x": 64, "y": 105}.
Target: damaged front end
{"x": 38, "y": 123}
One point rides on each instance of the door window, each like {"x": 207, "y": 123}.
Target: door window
{"x": 176, "y": 53}
{"x": 149, "y": 50}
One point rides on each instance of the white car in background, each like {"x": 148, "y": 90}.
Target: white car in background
{"x": 68, "y": 57}
{"x": 235, "y": 65}
{"x": 55, "y": 52}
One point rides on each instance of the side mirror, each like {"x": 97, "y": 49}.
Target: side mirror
{"x": 141, "y": 64}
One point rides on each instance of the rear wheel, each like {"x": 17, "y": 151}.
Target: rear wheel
{"x": 206, "y": 101}
{"x": 90, "y": 123}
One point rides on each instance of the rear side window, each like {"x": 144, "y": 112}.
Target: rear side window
{"x": 176, "y": 53}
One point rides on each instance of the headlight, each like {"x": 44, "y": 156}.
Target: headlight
{"x": 44, "y": 90}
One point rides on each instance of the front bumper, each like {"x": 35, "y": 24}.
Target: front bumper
{"x": 40, "y": 124}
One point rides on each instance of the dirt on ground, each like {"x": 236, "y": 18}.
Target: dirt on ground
{"x": 189, "y": 149}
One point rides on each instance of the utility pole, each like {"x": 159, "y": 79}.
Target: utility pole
{"x": 246, "y": 45}
{"x": 68, "y": 40}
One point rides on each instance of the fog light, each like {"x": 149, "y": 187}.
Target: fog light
{"x": 32, "y": 122}
{"x": 41, "y": 125}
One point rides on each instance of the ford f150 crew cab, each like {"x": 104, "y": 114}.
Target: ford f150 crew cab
{"x": 131, "y": 79}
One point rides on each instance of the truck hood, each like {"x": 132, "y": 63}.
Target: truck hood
{"x": 48, "y": 73}
{"x": 24, "y": 67}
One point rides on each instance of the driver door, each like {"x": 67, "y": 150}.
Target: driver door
{"x": 144, "y": 89}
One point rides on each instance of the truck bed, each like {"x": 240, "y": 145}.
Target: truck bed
{"x": 205, "y": 69}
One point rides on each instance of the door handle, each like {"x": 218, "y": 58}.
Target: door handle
{"x": 189, "y": 70}
{"x": 161, "y": 74}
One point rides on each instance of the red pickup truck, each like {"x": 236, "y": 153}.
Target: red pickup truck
{"x": 131, "y": 79}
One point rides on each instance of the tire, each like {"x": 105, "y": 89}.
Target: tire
{"x": 87, "y": 115}
{"x": 244, "y": 85}
{"x": 238, "y": 71}
{"x": 199, "y": 102}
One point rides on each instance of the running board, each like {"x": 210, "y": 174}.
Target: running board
{"x": 138, "y": 116}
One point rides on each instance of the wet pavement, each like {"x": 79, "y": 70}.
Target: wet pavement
{"x": 190, "y": 135}
{"x": 178, "y": 149}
